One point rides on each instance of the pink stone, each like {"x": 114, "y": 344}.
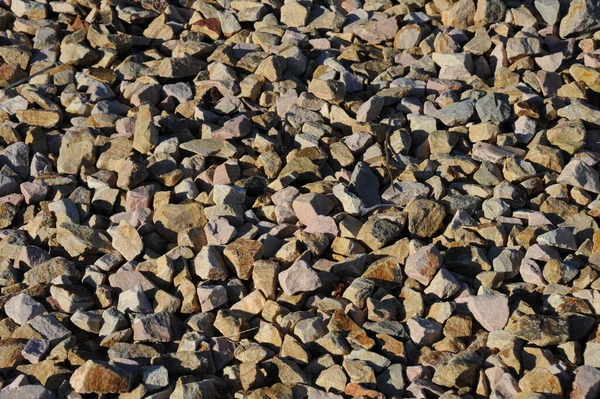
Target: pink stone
{"x": 531, "y": 273}
{"x": 299, "y": 277}
{"x": 404, "y": 59}
{"x": 285, "y": 214}
{"x": 149, "y": 93}
{"x": 424, "y": 388}
{"x": 376, "y": 32}
{"x": 550, "y": 63}
{"x": 212, "y": 296}
{"x": 219, "y": 231}
{"x": 285, "y": 197}
{"x": 424, "y": 331}
{"x": 309, "y": 206}
{"x": 542, "y": 253}
{"x": 15, "y": 199}
{"x": 423, "y": 264}
{"x": 125, "y": 279}
{"x": 32, "y": 256}
{"x": 35, "y": 350}
{"x": 351, "y": 5}
{"x": 320, "y": 44}
{"x": 34, "y": 191}
{"x": 284, "y": 230}
{"x": 549, "y": 82}
{"x": 490, "y": 310}
{"x": 323, "y": 224}
{"x": 227, "y": 173}
{"x": 141, "y": 197}
{"x": 134, "y": 300}
{"x": 125, "y": 127}
{"x": 358, "y": 142}
{"x": 586, "y": 384}
{"x": 285, "y": 102}
{"x": 234, "y": 128}
{"x": 204, "y": 180}
{"x": 155, "y": 327}
{"x": 498, "y": 58}
{"x": 343, "y": 175}
{"x": 506, "y": 387}
{"x": 414, "y": 372}
{"x": 141, "y": 217}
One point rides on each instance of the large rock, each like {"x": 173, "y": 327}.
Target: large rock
{"x": 542, "y": 330}
{"x": 583, "y": 16}
{"x": 79, "y": 240}
{"x": 170, "y": 219}
{"x": 77, "y": 150}
{"x": 425, "y": 218}
{"x": 145, "y": 135}
{"x": 100, "y": 378}
{"x": 299, "y": 277}
{"x": 579, "y": 174}
{"x": 480, "y": 305}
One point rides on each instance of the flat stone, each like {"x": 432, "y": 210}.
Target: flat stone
{"x": 378, "y": 232}
{"x": 22, "y": 308}
{"x": 370, "y": 109}
{"x": 376, "y": 32}
{"x": 155, "y": 377}
{"x": 35, "y": 350}
{"x": 385, "y": 272}
{"x": 479, "y": 306}
{"x": 76, "y": 150}
{"x": 578, "y": 174}
{"x": 542, "y": 381}
{"x": 391, "y": 380}
{"x": 234, "y": 128}
{"x": 27, "y": 391}
{"x": 568, "y": 135}
{"x": 456, "y": 113}
{"x": 562, "y": 238}
{"x": 213, "y": 147}
{"x": 358, "y": 291}
{"x": 78, "y": 240}
{"x": 49, "y": 328}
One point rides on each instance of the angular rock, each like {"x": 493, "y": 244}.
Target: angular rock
{"x": 100, "y": 377}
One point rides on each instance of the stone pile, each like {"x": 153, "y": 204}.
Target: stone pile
{"x": 295, "y": 198}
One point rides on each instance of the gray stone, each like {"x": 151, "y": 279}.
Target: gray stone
{"x": 456, "y": 113}
{"x": 365, "y": 184}
{"x": 494, "y": 108}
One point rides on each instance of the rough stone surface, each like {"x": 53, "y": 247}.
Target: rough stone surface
{"x": 300, "y": 199}
{"x": 99, "y": 377}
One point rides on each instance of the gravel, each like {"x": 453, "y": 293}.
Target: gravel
{"x": 300, "y": 199}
